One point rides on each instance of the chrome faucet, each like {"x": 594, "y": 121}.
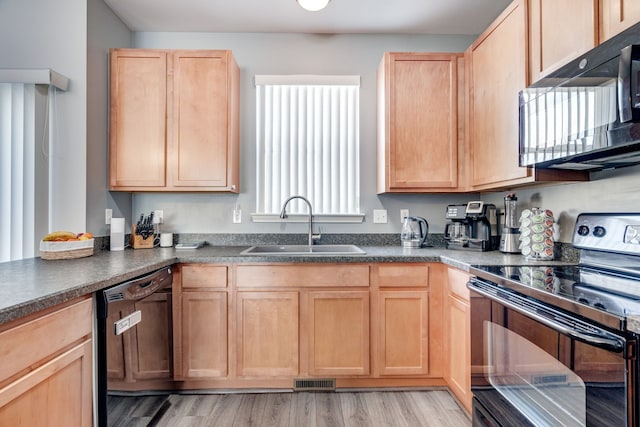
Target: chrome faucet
{"x": 283, "y": 215}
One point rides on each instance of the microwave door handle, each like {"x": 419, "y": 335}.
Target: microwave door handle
{"x": 610, "y": 344}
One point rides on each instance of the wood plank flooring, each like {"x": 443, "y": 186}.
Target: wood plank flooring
{"x": 313, "y": 409}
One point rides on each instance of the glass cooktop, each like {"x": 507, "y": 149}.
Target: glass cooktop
{"x": 608, "y": 291}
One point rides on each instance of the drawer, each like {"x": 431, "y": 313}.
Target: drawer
{"x": 400, "y": 275}
{"x": 302, "y": 275}
{"x": 198, "y": 276}
{"x": 30, "y": 344}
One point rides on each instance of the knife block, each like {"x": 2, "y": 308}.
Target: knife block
{"x": 137, "y": 242}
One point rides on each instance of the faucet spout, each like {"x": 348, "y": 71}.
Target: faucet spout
{"x": 283, "y": 215}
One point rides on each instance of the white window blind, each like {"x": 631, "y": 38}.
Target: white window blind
{"x": 308, "y": 143}
{"x": 26, "y": 105}
{"x": 17, "y": 170}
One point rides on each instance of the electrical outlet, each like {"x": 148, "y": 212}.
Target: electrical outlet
{"x": 379, "y": 216}
{"x": 108, "y": 213}
{"x": 158, "y": 216}
{"x": 237, "y": 215}
{"x": 403, "y": 214}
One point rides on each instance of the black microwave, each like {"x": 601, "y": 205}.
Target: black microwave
{"x": 586, "y": 115}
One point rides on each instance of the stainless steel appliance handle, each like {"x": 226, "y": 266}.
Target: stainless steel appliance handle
{"x": 609, "y": 342}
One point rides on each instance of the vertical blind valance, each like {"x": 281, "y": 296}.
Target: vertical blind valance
{"x": 308, "y": 143}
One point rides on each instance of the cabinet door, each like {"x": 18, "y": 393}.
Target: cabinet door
{"x": 616, "y": 16}
{"x": 57, "y": 393}
{"x": 203, "y": 344}
{"x": 267, "y": 333}
{"x": 137, "y": 138}
{"x": 418, "y": 122}
{"x": 338, "y": 332}
{"x": 404, "y": 332}
{"x": 559, "y": 31}
{"x": 200, "y": 130}
{"x": 459, "y": 350}
{"x": 153, "y": 338}
{"x": 498, "y": 73}
{"x": 459, "y": 336}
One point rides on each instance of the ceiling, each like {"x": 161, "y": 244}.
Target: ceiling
{"x": 467, "y": 17}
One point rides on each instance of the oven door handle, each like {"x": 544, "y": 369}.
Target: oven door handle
{"x": 610, "y": 343}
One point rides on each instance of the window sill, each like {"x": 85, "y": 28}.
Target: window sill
{"x": 317, "y": 218}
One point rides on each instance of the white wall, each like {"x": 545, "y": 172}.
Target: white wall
{"x": 52, "y": 34}
{"x": 297, "y": 54}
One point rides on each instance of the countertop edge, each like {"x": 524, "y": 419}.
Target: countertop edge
{"x": 113, "y": 268}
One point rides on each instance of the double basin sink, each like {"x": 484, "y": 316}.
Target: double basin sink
{"x": 305, "y": 250}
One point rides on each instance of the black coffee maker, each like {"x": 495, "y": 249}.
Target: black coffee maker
{"x": 472, "y": 227}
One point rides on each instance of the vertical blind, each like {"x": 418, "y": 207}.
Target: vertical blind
{"x": 17, "y": 170}
{"x": 307, "y": 136}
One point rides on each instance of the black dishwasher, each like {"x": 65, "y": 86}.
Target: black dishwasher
{"x": 121, "y": 318}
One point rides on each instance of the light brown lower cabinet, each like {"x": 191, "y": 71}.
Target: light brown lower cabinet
{"x": 264, "y": 325}
{"x": 200, "y": 305}
{"x": 204, "y": 335}
{"x": 459, "y": 337}
{"x": 267, "y": 333}
{"x": 403, "y": 333}
{"x": 46, "y": 370}
{"x": 338, "y": 333}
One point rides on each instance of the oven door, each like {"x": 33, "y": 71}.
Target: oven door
{"x": 533, "y": 365}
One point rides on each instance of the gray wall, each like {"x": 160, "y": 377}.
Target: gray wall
{"x": 105, "y": 30}
{"x": 609, "y": 191}
{"x": 297, "y": 54}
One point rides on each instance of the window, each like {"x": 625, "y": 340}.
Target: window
{"x": 307, "y": 130}
{"x": 25, "y": 108}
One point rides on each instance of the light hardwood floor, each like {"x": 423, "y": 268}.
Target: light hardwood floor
{"x": 312, "y": 409}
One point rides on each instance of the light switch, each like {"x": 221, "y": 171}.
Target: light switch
{"x": 379, "y": 216}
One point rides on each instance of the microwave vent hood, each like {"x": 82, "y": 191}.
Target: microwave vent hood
{"x": 585, "y": 115}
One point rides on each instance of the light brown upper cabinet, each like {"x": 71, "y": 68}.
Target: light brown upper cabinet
{"x": 418, "y": 106}
{"x": 174, "y": 120}
{"x": 496, "y": 65}
{"x": 559, "y": 31}
{"x": 616, "y": 16}
{"x": 498, "y": 72}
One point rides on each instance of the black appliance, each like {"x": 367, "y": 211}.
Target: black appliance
{"x": 558, "y": 344}
{"x": 585, "y": 115}
{"x": 472, "y": 227}
{"x": 120, "y": 314}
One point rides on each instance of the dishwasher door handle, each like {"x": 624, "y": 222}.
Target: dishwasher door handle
{"x": 140, "y": 287}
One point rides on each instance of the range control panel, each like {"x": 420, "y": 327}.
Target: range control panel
{"x": 608, "y": 232}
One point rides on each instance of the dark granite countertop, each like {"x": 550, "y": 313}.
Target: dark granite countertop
{"x": 33, "y": 284}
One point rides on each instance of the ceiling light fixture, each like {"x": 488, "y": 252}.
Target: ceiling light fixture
{"x": 313, "y": 5}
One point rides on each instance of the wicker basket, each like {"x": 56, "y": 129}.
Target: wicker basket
{"x": 66, "y": 250}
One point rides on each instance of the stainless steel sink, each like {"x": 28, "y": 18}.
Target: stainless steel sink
{"x": 265, "y": 250}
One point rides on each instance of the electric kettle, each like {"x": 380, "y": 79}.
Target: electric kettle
{"x": 414, "y": 232}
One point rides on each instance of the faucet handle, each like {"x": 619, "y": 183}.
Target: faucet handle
{"x": 317, "y": 236}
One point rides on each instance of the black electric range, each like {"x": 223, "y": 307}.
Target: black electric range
{"x": 604, "y": 286}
